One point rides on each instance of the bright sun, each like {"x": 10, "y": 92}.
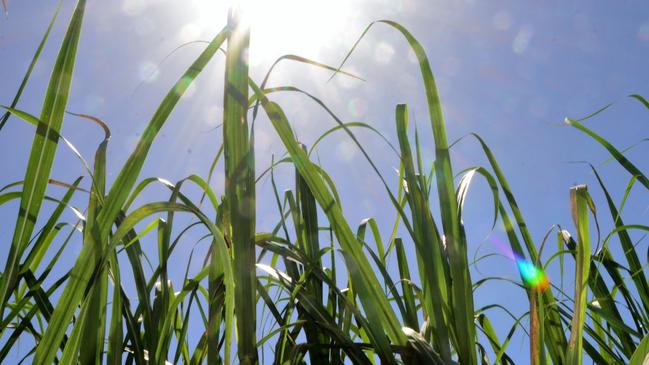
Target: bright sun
{"x": 279, "y": 26}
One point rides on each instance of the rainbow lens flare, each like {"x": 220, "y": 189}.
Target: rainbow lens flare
{"x": 533, "y": 277}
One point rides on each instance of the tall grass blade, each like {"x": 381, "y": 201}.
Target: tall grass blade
{"x": 579, "y": 204}
{"x": 606, "y": 307}
{"x": 641, "y": 99}
{"x": 240, "y": 185}
{"x": 641, "y": 354}
{"x": 93, "y": 334}
{"x": 115, "y": 331}
{"x": 621, "y": 159}
{"x": 410, "y": 319}
{"x": 308, "y": 237}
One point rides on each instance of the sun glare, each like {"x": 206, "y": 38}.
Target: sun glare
{"x": 280, "y": 26}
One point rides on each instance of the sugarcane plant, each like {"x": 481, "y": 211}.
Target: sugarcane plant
{"x": 290, "y": 276}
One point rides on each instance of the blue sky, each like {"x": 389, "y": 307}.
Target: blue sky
{"x": 507, "y": 70}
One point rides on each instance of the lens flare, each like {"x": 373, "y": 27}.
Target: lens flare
{"x": 533, "y": 276}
